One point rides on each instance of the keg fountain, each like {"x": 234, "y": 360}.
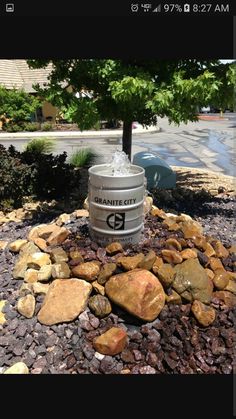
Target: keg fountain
{"x": 116, "y": 198}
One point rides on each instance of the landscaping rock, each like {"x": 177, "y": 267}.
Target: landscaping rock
{"x": 60, "y": 270}
{"x": 114, "y": 248}
{"x": 65, "y": 300}
{"x": 130, "y": 262}
{"x": 26, "y": 306}
{"x": 87, "y": 270}
{"x": 100, "y": 305}
{"x": 17, "y": 368}
{"x": 137, "y": 291}
{"x": 106, "y": 272}
{"x": 203, "y": 313}
{"x": 191, "y": 281}
{"x": 111, "y": 342}
{"x": 16, "y": 245}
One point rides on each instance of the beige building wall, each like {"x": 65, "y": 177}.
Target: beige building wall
{"x": 49, "y": 110}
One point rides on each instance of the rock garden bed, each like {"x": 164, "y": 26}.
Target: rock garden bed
{"x": 166, "y": 305}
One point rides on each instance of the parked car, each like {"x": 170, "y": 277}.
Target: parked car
{"x": 205, "y": 109}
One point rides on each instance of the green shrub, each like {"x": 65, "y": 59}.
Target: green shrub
{"x": 46, "y": 126}
{"x": 31, "y": 126}
{"x": 40, "y": 175}
{"x": 83, "y": 157}
{"x": 16, "y": 179}
{"x": 13, "y": 127}
{"x": 40, "y": 145}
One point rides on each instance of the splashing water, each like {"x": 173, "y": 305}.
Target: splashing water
{"x": 120, "y": 164}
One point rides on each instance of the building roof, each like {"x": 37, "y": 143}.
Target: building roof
{"x": 16, "y": 74}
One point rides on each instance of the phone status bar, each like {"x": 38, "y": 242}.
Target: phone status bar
{"x": 122, "y": 8}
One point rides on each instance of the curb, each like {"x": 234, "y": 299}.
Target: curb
{"x": 74, "y": 134}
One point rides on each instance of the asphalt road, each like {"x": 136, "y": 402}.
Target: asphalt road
{"x": 204, "y": 144}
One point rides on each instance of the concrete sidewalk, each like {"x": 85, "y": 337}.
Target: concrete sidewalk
{"x": 76, "y": 134}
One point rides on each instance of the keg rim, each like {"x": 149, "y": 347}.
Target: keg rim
{"x": 94, "y": 170}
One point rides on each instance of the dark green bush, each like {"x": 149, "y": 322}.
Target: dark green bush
{"x": 13, "y": 127}
{"x": 42, "y": 176}
{"x": 15, "y": 178}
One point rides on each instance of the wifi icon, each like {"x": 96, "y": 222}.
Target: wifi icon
{"x": 157, "y": 9}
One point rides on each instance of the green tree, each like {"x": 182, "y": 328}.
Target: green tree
{"x": 17, "y": 105}
{"x": 224, "y": 98}
{"x": 135, "y": 90}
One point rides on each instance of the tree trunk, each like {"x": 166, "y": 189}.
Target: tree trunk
{"x": 127, "y": 138}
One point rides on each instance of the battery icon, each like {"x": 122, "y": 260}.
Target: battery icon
{"x": 187, "y": 7}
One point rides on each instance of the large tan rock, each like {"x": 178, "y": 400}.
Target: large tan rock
{"x": 203, "y": 313}
{"x": 26, "y": 306}
{"x": 112, "y": 342}
{"x": 191, "y": 281}
{"x": 137, "y": 291}
{"x": 87, "y": 270}
{"x": 65, "y": 300}
{"x": 17, "y": 368}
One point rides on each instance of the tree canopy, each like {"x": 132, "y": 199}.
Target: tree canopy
{"x": 17, "y": 105}
{"x": 135, "y": 90}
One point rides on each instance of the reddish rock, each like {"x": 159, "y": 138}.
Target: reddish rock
{"x": 111, "y": 342}
{"x": 137, "y": 291}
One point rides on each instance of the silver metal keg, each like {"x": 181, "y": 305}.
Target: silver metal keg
{"x": 116, "y": 204}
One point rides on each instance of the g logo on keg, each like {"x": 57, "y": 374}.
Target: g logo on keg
{"x": 116, "y": 221}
